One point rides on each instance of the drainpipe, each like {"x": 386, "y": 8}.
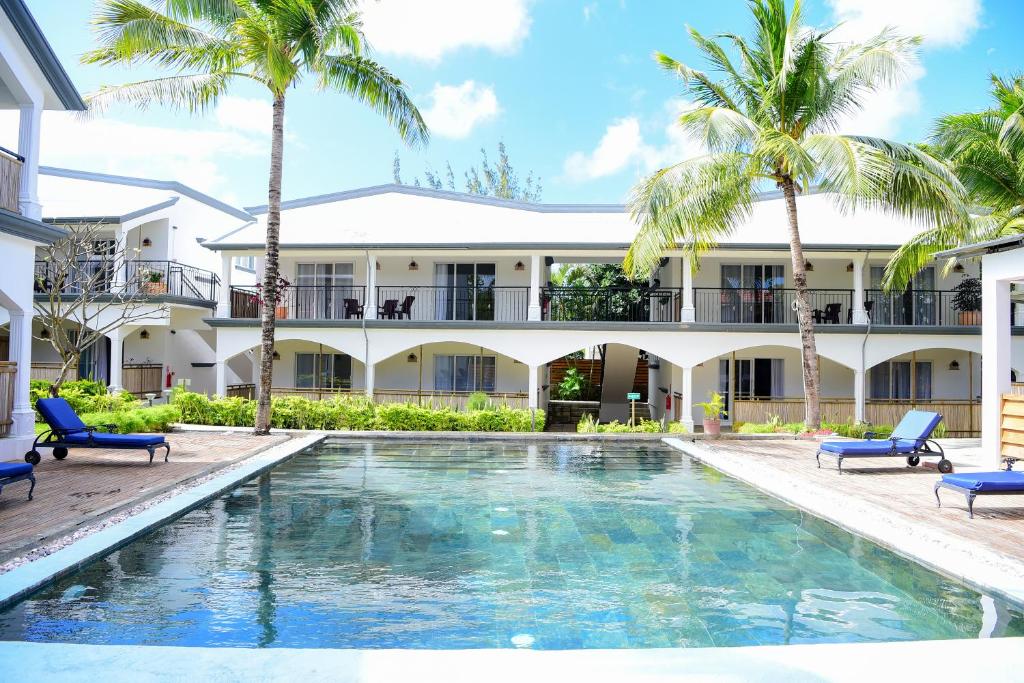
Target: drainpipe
{"x": 366, "y": 338}
{"x": 863, "y": 352}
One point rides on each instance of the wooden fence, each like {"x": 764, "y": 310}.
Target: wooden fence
{"x": 10, "y": 183}
{"x": 51, "y": 371}
{"x": 8, "y": 373}
{"x": 1017, "y": 388}
{"x": 1012, "y": 425}
{"x": 960, "y": 418}
{"x": 242, "y": 391}
{"x": 142, "y": 378}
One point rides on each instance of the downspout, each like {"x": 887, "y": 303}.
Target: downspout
{"x": 863, "y": 346}
{"x": 366, "y": 338}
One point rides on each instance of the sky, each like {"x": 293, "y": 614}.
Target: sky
{"x": 568, "y": 85}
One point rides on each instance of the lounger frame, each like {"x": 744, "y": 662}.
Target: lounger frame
{"x": 54, "y": 438}
{"x": 970, "y": 494}
{"x": 923, "y": 447}
{"x": 28, "y": 476}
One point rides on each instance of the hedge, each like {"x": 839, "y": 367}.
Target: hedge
{"x": 84, "y": 396}
{"x": 587, "y": 425}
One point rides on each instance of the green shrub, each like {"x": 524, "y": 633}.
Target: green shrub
{"x": 573, "y": 385}
{"x": 588, "y": 425}
{"x": 84, "y": 396}
{"x": 140, "y": 420}
{"x": 478, "y": 400}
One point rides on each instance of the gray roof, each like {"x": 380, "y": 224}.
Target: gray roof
{"x": 26, "y": 228}
{"x": 999, "y": 244}
{"x": 170, "y": 185}
{"x": 116, "y": 220}
{"x": 37, "y": 45}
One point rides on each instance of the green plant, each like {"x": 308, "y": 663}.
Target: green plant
{"x": 154, "y": 419}
{"x": 154, "y": 276}
{"x": 573, "y": 385}
{"x": 588, "y": 425}
{"x": 714, "y": 409}
{"x": 968, "y": 295}
{"x": 478, "y": 400}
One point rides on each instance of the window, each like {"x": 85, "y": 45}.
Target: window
{"x": 754, "y": 299}
{"x": 465, "y": 291}
{"x": 464, "y": 373}
{"x": 323, "y": 371}
{"x": 915, "y": 306}
{"x": 246, "y": 263}
{"x": 321, "y": 290}
{"x": 759, "y": 378}
{"x": 892, "y": 381}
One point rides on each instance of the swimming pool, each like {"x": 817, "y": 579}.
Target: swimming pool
{"x": 547, "y": 545}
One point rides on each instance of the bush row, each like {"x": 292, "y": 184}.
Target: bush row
{"x": 848, "y": 429}
{"x": 85, "y": 396}
{"x": 588, "y": 425}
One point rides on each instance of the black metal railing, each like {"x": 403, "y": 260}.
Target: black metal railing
{"x": 927, "y": 307}
{"x": 452, "y": 303}
{"x": 769, "y": 306}
{"x": 636, "y": 304}
{"x": 151, "y": 278}
{"x": 302, "y": 302}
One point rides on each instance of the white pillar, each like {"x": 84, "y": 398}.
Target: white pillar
{"x": 860, "y": 314}
{"x": 221, "y": 383}
{"x": 255, "y": 358}
{"x": 120, "y": 275}
{"x": 369, "y": 373}
{"x": 534, "y": 310}
{"x": 28, "y": 147}
{"x": 224, "y": 294}
{"x": 370, "y": 307}
{"x": 688, "y": 314}
{"x": 686, "y": 402}
{"x": 859, "y": 396}
{"x": 20, "y": 351}
{"x": 534, "y": 394}
{"x": 995, "y": 369}
{"x": 116, "y": 361}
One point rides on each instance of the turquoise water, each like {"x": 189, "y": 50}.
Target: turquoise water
{"x": 433, "y": 545}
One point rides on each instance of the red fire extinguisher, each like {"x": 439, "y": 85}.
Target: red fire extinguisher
{"x": 170, "y": 378}
{"x": 668, "y": 401}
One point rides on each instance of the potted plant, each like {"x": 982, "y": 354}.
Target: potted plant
{"x": 967, "y": 301}
{"x": 153, "y": 283}
{"x": 281, "y": 308}
{"x": 714, "y": 410}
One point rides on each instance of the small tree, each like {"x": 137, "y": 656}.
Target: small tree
{"x": 91, "y": 290}
{"x": 499, "y": 180}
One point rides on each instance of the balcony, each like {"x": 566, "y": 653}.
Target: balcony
{"x": 453, "y": 303}
{"x": 10, "y": 180}
{"x": 586, "y": 304}
{"x": 152, "y": 278}
{"x": 298, "y": 302}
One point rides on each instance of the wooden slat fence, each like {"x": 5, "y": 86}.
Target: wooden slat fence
{"x": 241, "y": 391}
{"x": 8, "y": 375}
{"x": 51, "y": 371}
{"x": 142, "y": 378}
{"x": 10, "y": 183}
{"x": 1017, "y": 388}
{"x": 1012, "y": 426}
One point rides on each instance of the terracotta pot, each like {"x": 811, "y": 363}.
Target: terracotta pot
{"x": 712, "y": 427}
{"x": 154, "y": 288}
{"x": 970, "y": 317}
{"x": 281, "y": 312}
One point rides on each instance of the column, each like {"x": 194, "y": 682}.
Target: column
{"x": 221, "y": 373}
{"x": 995, "y": 369}
{"x": 120, "y": 260}
{"x": 224, "y": 294}
{"x": 655, "y": 399}
{"x": 686, "y": 407}
{"x": 534, "y": 310}
{"x": 255, "y": 372}
{"x": 859, "y": 396}
{"x": 28, "y": 147}
{"x": 20, "y": 351}
{"x": 116, "y": 360}
{"x": 688, "y": 314}
{"x": 369, "y": 372}
{"x": 533, "y": 394}
{"x": 860, "y": 315}
{"x": 370, "y": 306}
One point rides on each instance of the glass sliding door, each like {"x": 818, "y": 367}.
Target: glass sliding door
{"x": 323, "y": 371}
{"x": 464, "y": 291}
{"x": 916, "y": 305}
{"x": 321, "y": 290}
{"x": 749, "y": 293}
{"x": 464, "y": 373}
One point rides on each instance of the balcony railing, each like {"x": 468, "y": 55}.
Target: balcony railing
{"x": 769, "y": 306}
{"x": 302, "y": 302}
{"x": 152, "y": 278}
{"x": 917, "y": 307}
{"x": 452, "y": 303}
{"x": 10, "y": 179}
{"x": 569, "y": 304}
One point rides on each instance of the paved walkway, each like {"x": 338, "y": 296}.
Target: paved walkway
{"x": 90, "y": 485}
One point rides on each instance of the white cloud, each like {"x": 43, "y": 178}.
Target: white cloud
{"x": 427, "y": 30}
{"x": 942, "y": 23}
{"x": 456, "y": 109}
{"x": 589, "y": 10}
{"x": 251, "y": 115}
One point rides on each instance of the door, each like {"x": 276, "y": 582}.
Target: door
{"x": 464, "y": 291}
{"x": 916, "y": 305}
{"x": 751, "y": 293}
{"x": 321, "y": 290}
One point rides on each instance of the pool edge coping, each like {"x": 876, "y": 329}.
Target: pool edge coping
{"x": 977, "y": 567}
{"x": 30, "y": 577}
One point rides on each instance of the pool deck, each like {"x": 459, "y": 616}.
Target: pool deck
{"x": 91, "y": 486}
{"x": 891, "y": 504}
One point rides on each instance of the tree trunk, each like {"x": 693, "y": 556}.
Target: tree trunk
{"x": 271, "y": 271}
{"x": 66, "y": 363}
{"x": 805, "y": 319}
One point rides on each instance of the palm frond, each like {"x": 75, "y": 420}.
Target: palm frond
{"x": 720, "y": 129}
{"x": 194, "y": 93}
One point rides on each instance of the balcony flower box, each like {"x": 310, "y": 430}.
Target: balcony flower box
{"x": 281, "y": 312}
{"x": 154, "y": 288}
{"x": 969, "y": 317}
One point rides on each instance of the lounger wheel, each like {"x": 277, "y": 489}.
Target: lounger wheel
{"x": 33, "y": 457}
{"x": 60, "y": 452}
{"x": 914, "y": 461}
{"x": 945, "y": 466}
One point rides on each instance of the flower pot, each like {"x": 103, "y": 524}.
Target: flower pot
{"x": 969, "y": 317}
{"x": 281, "y": 312}
{"x": 154, "y": 288}
{"x": 712, "y": 427}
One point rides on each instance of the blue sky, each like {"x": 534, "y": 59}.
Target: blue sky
{"x": 568, "y": 85}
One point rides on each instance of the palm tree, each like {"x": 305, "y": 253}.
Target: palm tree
{"x": 211, "y": 44}
{"x": 986, "y": 151}
{"x": 771, "y": 120}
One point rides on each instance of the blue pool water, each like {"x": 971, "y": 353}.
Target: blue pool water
{"x": 433, "y": 545}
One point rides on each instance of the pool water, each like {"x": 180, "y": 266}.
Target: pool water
{"x": 492, "y": 544}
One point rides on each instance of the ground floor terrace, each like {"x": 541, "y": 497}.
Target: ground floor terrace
{"x": 864, "y": 377}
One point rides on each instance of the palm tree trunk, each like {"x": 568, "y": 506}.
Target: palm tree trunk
{"x": 809, "y": 350}
{"x": 271, "y": 269}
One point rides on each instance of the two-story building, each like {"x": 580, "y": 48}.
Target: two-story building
{"x": 407, "y": 293}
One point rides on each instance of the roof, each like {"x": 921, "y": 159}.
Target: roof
{"x": 404, "y": 217}
{"x": 112, "y": 219}
{"x": 37, "y": 45}
{"x": 117, "y": 202}
{"x": 27, "y": 228}
{"x": 981, "y": 248}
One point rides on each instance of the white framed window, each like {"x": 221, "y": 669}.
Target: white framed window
{"x": 892, "y": 381}
{"x": 323, "y": 371}
{"x": 246, "y": 263}
{"x": 464, "y": 373}
{"x": 759, "y": 378}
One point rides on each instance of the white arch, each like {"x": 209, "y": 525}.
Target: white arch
{"x": 879, "y": 351}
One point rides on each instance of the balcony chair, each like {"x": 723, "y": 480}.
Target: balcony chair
{"x": 353, "y": 309}
{"x": 974, "y": 484}
{"x": 388, "y": 310}
{"x": 909, "y": 439}
{"x": 868, "y": 305}
{"x": 830, "y": 315}
{"x": 11, "y": 472}
{"x": 68, "y": 431}
{"x": 405, "y": 310}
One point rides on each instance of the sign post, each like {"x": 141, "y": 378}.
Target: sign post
{"x": 632, "y": 397}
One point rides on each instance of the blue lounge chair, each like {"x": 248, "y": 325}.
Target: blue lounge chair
{"x": 974, "y": 484}
{"x": 11, "y": 472}
{"x": 68, "y": 431}
{"x": 909, "y": 439}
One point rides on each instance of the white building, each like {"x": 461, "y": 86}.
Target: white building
{"x": 31, "y": 81}
{"x": 402, "y": 292}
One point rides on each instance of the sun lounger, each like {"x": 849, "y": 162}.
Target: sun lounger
{"x": 68, "y": 431}
{"x": 974, "y": 484}
{"x": 909, "y": 439}
{"x": 11, "y": 472}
